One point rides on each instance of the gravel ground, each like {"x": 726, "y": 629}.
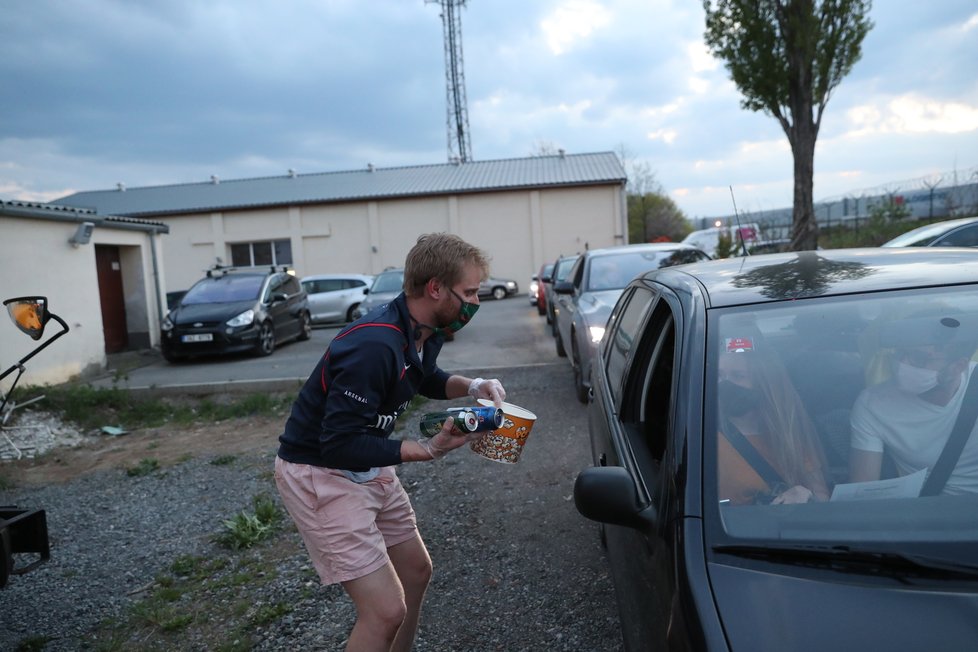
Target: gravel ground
{"x": 516, "y": 568}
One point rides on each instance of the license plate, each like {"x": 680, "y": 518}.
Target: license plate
{"x": 202, "y": 337}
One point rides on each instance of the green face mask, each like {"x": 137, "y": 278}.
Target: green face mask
{"x": 465, "y": 314}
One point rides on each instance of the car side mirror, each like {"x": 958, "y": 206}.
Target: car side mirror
{"x": 366, "y": 291}
{"x": 564, "y": 287}
{"x": 279, "y": 296}
{"x": 608, "y": 494}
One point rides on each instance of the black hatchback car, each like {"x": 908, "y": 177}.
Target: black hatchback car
{"x": 785, "y": 452}
{"x": 237, "y": 309}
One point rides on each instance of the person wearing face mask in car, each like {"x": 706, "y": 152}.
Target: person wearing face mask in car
{"x": 910, "y": 416}
{"x": 335, "y": 468}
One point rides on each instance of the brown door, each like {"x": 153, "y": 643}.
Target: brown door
{"x": 111, "y": 298}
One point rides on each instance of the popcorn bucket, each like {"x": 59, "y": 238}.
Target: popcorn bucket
{"x": 504, "y": 444}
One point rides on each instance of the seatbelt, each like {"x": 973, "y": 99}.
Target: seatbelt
{"x": 963, "y": 426}
{"x": 752, "y": 456}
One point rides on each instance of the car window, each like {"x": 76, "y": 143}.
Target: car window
{"x": 291, "y": 285}
{"x": 229, "y": 287}
{"x": 966, "y": 236}
{"x": 624, "y": 330}
{"x": 388, "y": 282}
{"x": 563, "y": 268}
{"x": 349, "y": 283}
{"x": 819, "y": 387}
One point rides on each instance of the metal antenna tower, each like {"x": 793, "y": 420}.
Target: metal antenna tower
{"x": 459, "y": 145}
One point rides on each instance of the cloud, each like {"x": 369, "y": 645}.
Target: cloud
{"x": 912, "y": 113}
{"x": 573, "y": 22}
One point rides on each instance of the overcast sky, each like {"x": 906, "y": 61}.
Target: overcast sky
{"x": 150, "y": 92}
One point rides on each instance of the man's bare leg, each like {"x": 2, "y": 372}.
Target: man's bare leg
{"x": 413, "y": 566}
{"x": 379, "y": 600}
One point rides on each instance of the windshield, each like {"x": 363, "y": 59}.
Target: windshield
{"x": 224, "y": 290}
{"x": 388, "y": 282}
{"x": 615, "y": 271}
{"x": 827, "y": 416}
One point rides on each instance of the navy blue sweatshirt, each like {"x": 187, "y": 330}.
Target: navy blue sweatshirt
{"x": 346, "y": 410}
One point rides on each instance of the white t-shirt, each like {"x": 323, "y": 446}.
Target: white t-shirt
{"x": 914, "y": 432}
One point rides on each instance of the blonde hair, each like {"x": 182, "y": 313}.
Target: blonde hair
{"x": 443, "y": 256}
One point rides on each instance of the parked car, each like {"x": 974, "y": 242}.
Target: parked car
{"x": 386, "y": 286}
{"x": 561, "y": 269}
{"x": 592, "y": 287}
{"x": 534, "y": 287}
{"x": 335, "y": 297}
{"x": 237, "y": 309}
{"x": 498, "y": 288}
{"x": 962, "y": 232}
{"x": 543, "y": 280}
{"x": 694, "y": 569}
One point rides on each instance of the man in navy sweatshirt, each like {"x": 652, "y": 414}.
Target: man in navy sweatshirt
{"x": 335, "y": 468}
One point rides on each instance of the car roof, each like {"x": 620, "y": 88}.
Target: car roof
{"x": 826, "y": 272}
{"x": 932, "y": 230}
{"x": 326, "y": 277}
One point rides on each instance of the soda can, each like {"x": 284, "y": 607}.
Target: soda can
{"x": 465, "y": 421}
{"x": 490, "y": 417}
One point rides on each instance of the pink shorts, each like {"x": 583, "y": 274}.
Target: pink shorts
{"x": 347, "y": 527}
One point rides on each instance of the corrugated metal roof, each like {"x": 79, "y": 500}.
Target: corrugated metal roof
{"x": 64, "y": 212}
{"x": 355, "y": 185}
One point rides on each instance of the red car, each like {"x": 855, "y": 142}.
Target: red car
{"x": 543, "y": 278}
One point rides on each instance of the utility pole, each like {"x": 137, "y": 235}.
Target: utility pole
{"x": 459, "y": 145}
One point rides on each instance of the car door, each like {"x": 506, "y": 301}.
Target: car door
{"x": 631, "y": 420}
{"x": 277, "y": 305}
{"x": 325, "y": 304}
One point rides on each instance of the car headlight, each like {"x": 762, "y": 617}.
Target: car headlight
{"x": 511, "y": 284}
{"x": 166, "y": 324}
{"x": 243, "y": 319}
{"x": 597, "y": 332}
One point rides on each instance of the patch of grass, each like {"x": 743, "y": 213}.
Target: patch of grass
{"x": 91, "y": 408}
{"x": 223, "y": 460}
{"x": 146, "y": 466}
{"x": 244, "y": 529}
{"x": 6, "y": 483}
{"x": 269, "y": 613}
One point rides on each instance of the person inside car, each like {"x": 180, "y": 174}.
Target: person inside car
{"x": 910, "y": 416}
{"x": 768, "y": 450}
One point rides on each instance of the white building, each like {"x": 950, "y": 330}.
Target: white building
{"x": 102, "y": 275}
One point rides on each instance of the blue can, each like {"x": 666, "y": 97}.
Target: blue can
{"x": 490, "y": 417}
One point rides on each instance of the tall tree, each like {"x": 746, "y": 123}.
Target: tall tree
{"x": 655, "y": 217}
{"x": 786, "y": 57}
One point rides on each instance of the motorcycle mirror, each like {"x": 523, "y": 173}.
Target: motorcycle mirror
{"x": 29, "y": 314}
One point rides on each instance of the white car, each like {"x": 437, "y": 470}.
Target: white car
{"x": 962, "y": 232}
{"x": 334, "y": 298}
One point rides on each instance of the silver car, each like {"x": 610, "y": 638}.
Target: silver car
{"x": 386, "y": 286}
{"x": 334, "y": 298}
{"x": 593, "y": 285}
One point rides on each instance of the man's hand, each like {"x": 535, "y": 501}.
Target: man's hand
{"x": 490, "y": 389}
{"x": 448, "y": 439}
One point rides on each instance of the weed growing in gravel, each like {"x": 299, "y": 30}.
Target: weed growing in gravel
{"x": 146, "y": 466}
{"x": 223, "y": 460}
{"x": 244, "y": 530}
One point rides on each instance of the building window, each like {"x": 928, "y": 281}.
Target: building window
{"x": 250, "y": 254}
